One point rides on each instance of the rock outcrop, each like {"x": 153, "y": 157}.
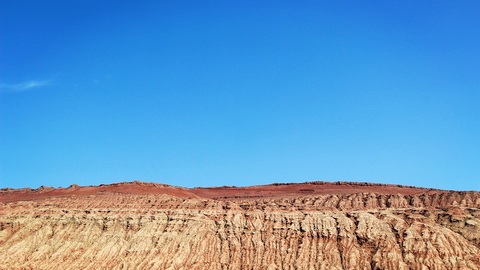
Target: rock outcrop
{"x": 314, "y": 225}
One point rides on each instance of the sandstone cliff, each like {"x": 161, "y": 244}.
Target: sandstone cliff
{"x": 315, "y": 225}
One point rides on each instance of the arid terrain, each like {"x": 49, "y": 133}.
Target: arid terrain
{"x": 314, "y": 225}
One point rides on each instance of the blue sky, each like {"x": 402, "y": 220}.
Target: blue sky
{"x": 208, "y": 93}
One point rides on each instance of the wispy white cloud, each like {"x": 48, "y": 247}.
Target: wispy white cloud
{"x": 23, "y": 86}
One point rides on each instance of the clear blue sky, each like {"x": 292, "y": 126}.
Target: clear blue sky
{"x": 208, "y": 93}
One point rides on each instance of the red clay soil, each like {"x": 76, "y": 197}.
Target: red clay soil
{"x": 307, "y": 188}
{"x": 222, "y": 193}
{"x": 136, "y": 187}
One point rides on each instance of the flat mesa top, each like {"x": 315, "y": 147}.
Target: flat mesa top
{"x": 275, "y": 190}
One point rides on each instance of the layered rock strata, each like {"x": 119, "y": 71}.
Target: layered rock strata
{"x": 150, "y": 226}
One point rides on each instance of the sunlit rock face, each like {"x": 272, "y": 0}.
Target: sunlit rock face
{"x": 315, "y": 225}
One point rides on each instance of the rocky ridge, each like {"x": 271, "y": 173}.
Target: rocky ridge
{"x": 315, "y": 225}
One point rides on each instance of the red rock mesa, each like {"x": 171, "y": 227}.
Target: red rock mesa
{"x": 315, "y": 225}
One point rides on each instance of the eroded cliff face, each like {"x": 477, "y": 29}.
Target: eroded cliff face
{"x": 425, "y": 229}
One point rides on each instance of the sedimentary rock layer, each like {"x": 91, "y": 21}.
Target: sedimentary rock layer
{"x": 308, "y": 226}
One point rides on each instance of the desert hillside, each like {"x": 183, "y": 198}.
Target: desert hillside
{"x": 314, "y": 225}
